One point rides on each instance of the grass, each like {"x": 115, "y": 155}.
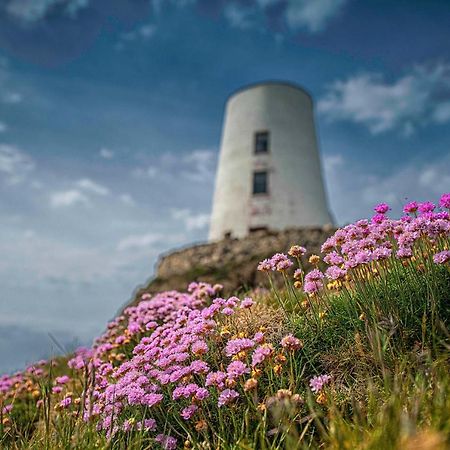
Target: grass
{"x": 382, "y": 334}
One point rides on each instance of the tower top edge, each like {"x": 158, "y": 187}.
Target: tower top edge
{"x": 268, "y": 83}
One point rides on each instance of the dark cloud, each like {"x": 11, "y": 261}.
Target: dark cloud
{"x": 57, "y": 36}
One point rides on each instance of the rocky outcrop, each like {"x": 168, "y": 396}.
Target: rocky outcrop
{"x": 230, "y": 262}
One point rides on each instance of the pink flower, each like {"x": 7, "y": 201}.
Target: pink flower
{"x": 378, "y": 218}
{"x": 333, "y": 258}
{"x": 404, "y": 252}
{"x": 261, "y": 353}
{"x": 226, "y": 397}
{"x": 381, "y": 208}
{"x": 284, "y": 265}
{"x": 167, "y": 442}
{"x": 199, "y": 347}
{"x": 236, "y": 369}
{"x": 317, "y": 383}
{"x": 201, "y": 394}
{"x": 152, "y": 399}
{"x": 62, "y": 380}
{"x": 296, "y": 251}
{"x": 314, "y": 275}
{"x": 442, "y": 257}
{"x": 189, "y": 411}
{"x": 199, "y": 366}
{"x": 291, "y": 342}
{"x": 266, "y": 266}
{"x": 216, "y": 379}
{"x": 411, "y": 207}
{"x": 227, "y": 311}
{"x": 426, "y": 207}
{"x": 7, "y": 409}
{"x": 298, "y": 273}
{"x": 247, "y": 303}
{"x": 335, "y": 273}
{"x": 146, "y": 425}
{"x": 444, "y": 201}
{"x": 235, "y": 346}
{"x": 312, "y": 287}
{"x": 66, "y": 402}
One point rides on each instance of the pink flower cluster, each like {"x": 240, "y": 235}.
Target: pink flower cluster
{"x": 380, "y": 239}
{"x": 171, "y": 337}
{"x": 279, "y": 262}
{"x": 373, "y": 241}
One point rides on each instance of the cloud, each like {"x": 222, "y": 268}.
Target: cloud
{"x": 35, "y": 10}
{"x": 8, "y": 95}
{"x": 138, "y": 241}
{"x": 312, "y": 15}
{"x": 3, "y": 127}
{"x": 11, "y": 97}
{"x": 15, "y": 165}
{"x": 52, "y": 32}
{"x": 197, "y": 166}
{"x": 416, "y": 99}
{"x": 149, "y": 172}
{"x": 142, "y": 33}
{"x": 91, "y": 186}
{"x": 191, "y": 221}
{"x": 106, "y": 153}
{"x": 127, "y": 199}
{"x": 67, "y": 198}
{"x": 353, "y": 191}
{"x": 239, "y": 16}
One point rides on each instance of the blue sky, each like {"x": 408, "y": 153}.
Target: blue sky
{"x": 110, "y": 120}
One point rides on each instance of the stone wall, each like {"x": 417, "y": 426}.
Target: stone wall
{"x": 231, "y": 262}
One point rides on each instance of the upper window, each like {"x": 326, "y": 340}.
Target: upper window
{"x": 260, "y": 182}
{"x": 261, "y": 142}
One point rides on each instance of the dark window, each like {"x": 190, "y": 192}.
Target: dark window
{"x": 261, "y": 142}
{"x": 260, "y": 182}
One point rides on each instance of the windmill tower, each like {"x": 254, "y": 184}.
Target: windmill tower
{"x": 269, "y": 174}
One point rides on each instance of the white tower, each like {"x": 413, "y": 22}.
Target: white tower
{"x": 269, "y": 174}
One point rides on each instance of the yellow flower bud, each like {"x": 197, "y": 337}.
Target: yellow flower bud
{"x": 250, "y": 384}
{"x": 314, "y": 260}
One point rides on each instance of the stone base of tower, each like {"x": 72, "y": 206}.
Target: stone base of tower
{"x": 231, "y": 262}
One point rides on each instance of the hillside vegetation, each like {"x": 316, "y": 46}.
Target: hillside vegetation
{"x": 350, "y": 354}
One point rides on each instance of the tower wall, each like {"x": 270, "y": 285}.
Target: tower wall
{"x": 296, "y": 195}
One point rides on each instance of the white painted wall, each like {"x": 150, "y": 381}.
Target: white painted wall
{"x": 296, "y": 195}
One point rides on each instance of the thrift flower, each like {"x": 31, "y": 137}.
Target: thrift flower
{"x": 317, "y": 383}
{"x": 189, "y": 411}
{"x": 247, "y": 303}
{"x": 411, "y": 207}
{"x": 237, "y": 369}
{"x": 226, "y": 397}
{"x": 297, "y": 251}
{"x": 382, "y": 208}
{"x": 166, "y": 442}
{"x": 444, "y": 201}
{"x": 442, "y": 257}
{"x": 291, "y": 342}
{"x": 426, "y": 207}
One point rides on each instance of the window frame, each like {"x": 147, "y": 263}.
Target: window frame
{"x": 266, "y": 182}
{"x": 257, "y": 134}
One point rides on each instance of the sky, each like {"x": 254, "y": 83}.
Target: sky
{"x": 110, "y": 122}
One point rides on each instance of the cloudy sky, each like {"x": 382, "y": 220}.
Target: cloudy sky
{"x": 110, "y": 118}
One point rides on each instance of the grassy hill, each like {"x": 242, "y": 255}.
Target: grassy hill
{"x": 352, "y": 353}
